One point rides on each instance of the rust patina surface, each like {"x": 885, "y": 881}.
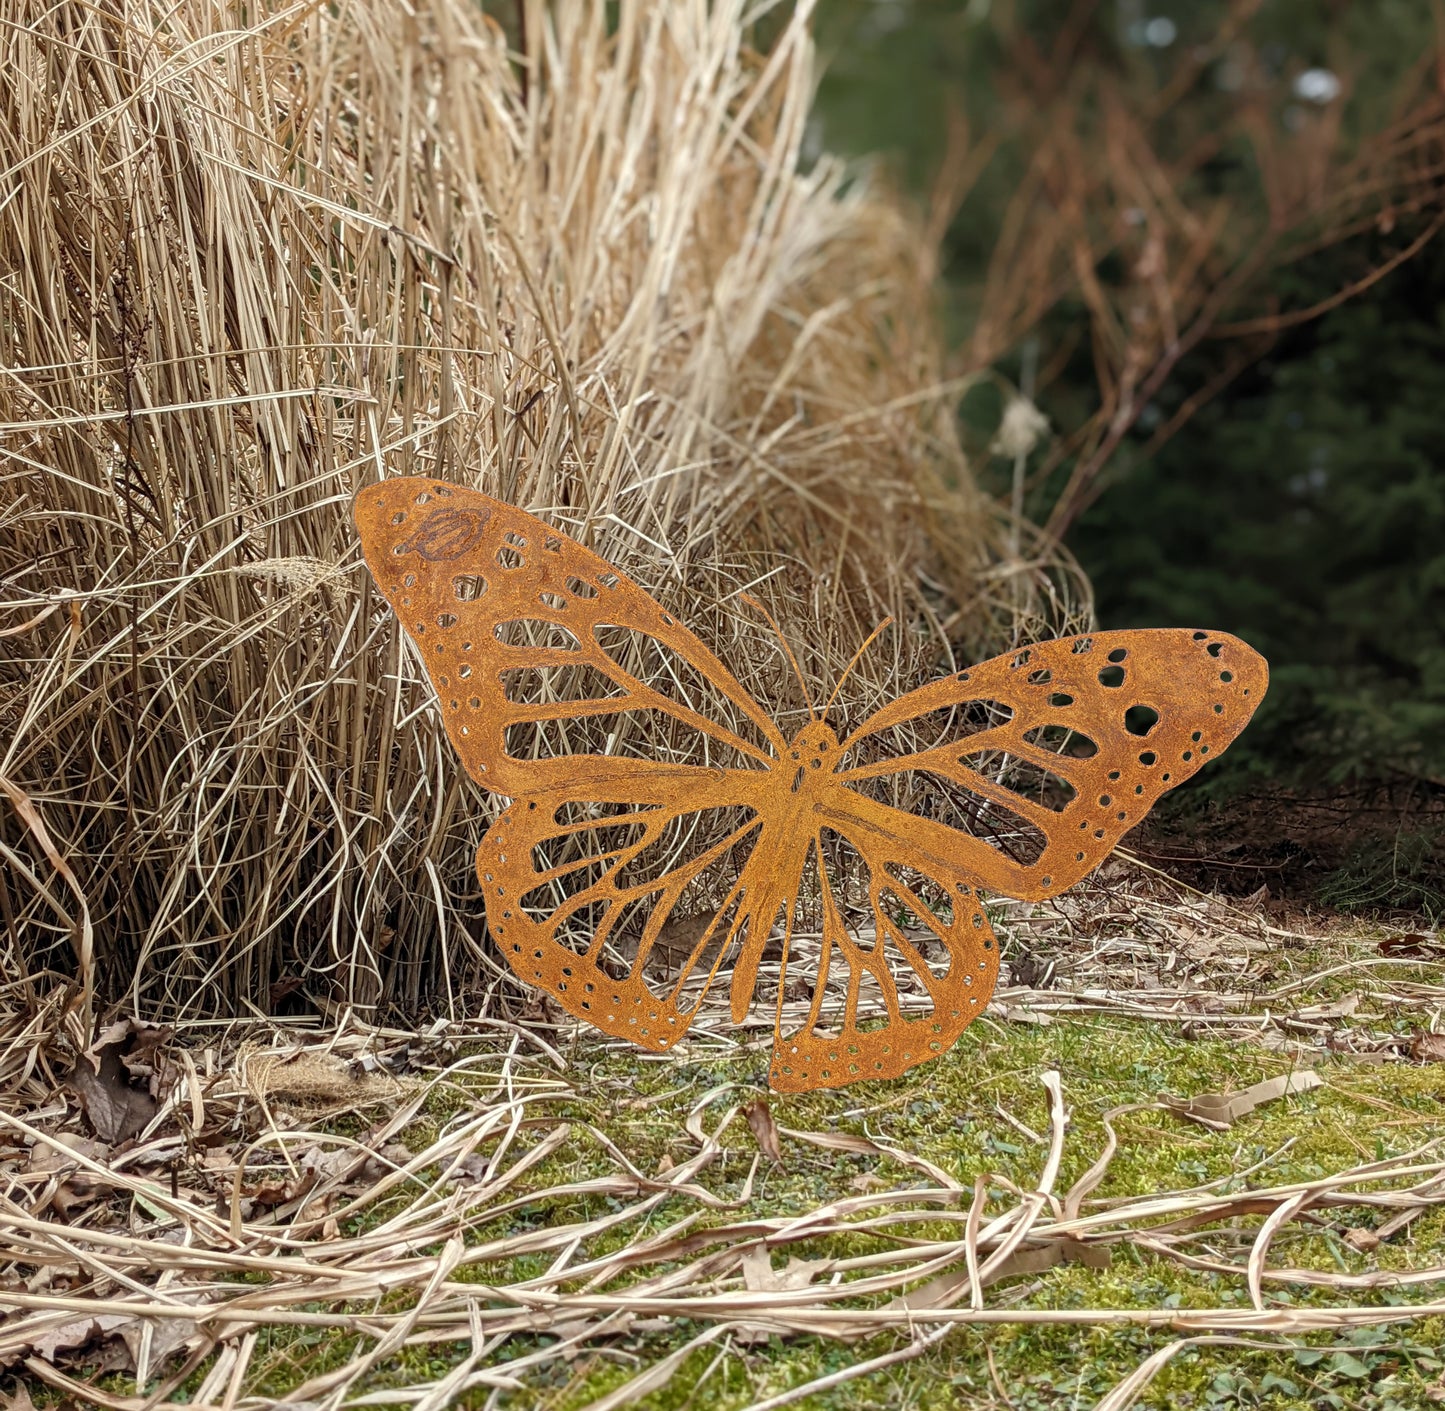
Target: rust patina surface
{"x": 589, "y": 876}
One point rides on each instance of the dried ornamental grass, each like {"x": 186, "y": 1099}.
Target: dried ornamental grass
{"x": 255, "y": 259}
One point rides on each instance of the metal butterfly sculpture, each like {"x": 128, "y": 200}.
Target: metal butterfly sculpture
{"x": 506, "y": 612}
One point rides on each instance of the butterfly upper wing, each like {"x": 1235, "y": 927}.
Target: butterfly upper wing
{"x": 1094, "y": 730}
{"x": 500, "y": 604}
{"x": 524, "y": 632}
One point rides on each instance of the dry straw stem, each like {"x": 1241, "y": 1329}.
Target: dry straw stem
{"x": 391, "y": 1249}
{"x": 255, "y": 258}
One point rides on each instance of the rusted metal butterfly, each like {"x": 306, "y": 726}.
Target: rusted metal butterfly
{"x": 590, "y": 870}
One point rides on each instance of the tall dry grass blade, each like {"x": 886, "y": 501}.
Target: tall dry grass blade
{"x": 257, "y": 258}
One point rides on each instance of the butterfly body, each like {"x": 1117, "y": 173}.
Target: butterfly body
{"x": 528, "y": 637}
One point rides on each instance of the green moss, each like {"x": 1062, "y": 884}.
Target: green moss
{"x": 980, "y": 1110}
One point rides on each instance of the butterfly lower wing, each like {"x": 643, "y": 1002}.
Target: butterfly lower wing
{"x": 583, "y": 885}
{"x": 532, "y": 640}
{"x": 1059, "y": 748}
{"x": 923, "y": 924}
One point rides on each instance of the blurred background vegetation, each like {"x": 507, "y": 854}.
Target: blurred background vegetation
{"x": 1201, "y": 239}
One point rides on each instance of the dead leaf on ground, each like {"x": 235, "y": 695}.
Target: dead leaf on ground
{"x": 1412, "y": 947}
{"x": 1428, "y": 1048}
{"x": 759, "y": 1276}
{"x": 79, "y": 1333}
{"x": 1220, "y": 1111}
{"x": 471, "y": 1169}
{"x": 1256, "y": 899}
{"x": 169, "y": 1336}
{"x": 1331, "y": 1009}
{"x": 118, "y": 1079}
{"x": 945, "y": 1290}
{"x": 764, "y": 1128}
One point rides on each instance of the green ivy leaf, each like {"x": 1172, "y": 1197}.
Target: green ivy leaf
{"x": 1346, "y": 1364}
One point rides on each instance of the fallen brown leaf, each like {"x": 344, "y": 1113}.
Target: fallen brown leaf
{"x": 1333, "y": 1009}
{"x": 1428, "y": 1048}
{"x": 945, "y": 1290}
{"x": 764, "y": 1128}
{"x": 1256, "y": 899}
{"x": 75, "y": 1187}
{"x": 1222, "y": 1110}
{"x": 76, "y": 1334}
{"x": 114, "y": 1080}
{"x": 1411, "y": 947}
{"x": 759, "y": 1276}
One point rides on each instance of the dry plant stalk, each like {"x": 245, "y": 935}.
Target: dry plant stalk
{"x": 256, "y": 258}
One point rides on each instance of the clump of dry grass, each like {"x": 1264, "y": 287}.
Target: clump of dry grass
{"x": 256, "y": 258}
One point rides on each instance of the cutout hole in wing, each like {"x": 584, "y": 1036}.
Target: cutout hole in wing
{"x": 929, "y": 729}
{"x": 954, "y": 806}
{"x": 1025, "y": 778}
{"x": 868, "y": 1003}
{"x": 936, "y": 901}
{"x": 690, "y": 943}
{"x": 834, "y": 1003}
{"x": 581, "y": 874}
{"x": 913, "y": 933}
{"x": 544, "y": 685}
{"x": 624, "y": 952}
{"x": 675, "y": 843}
{"x": 625, "y": 733}
{"x": 605, "y": 843}
{"x": 1140, "y": 719}
{"x": 536, "y": 632}
{"x": 578, "y": 920}
{"x": 544, "y": 739}
{"x": 575, "y": 813}
{"x": 667, "y": 672}
{"x": 1061, "y": 740}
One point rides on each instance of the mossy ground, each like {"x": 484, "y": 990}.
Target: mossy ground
{"x": 983, "y": 1109}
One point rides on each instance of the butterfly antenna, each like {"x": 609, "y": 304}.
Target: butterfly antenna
{"x": 857, "y": 657}
{"x": 753, "y": 603}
